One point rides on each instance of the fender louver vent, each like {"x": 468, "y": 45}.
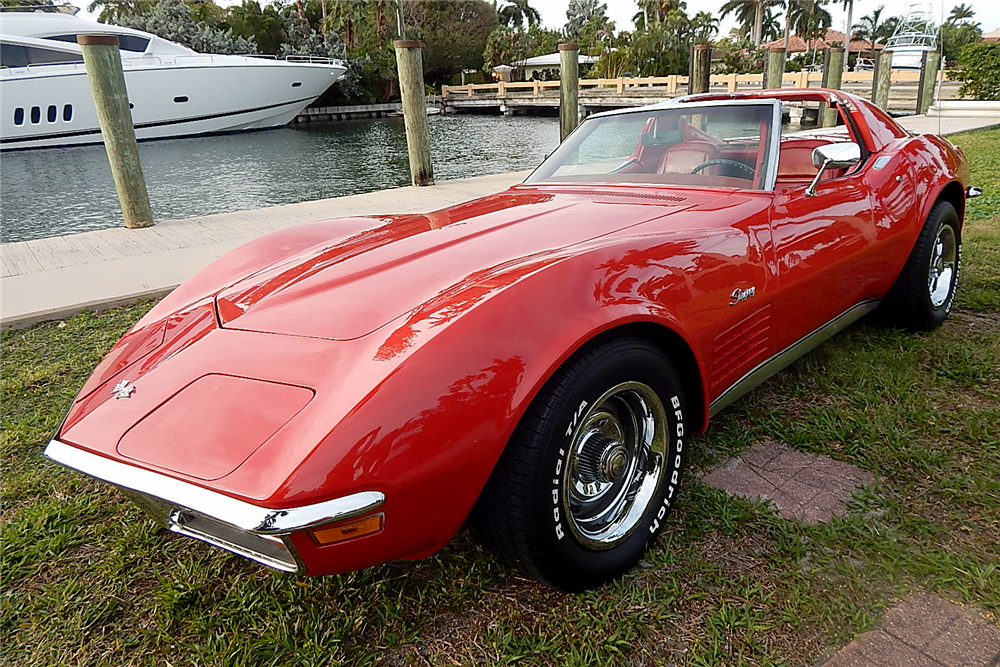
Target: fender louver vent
{"x": 637, "y": 195}
{"x": 740, "y": 349}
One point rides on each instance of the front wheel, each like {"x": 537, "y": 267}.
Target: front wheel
{"x": 588, "y": 477}
{"x": 922, "y": 295}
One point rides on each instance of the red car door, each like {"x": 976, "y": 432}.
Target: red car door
{"x": 820, "y": 243}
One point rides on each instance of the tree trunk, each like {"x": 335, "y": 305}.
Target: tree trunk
{"x": 758, "y": 23}
{"x": 302, "y": 17}
{"x": 788, "y": 28}
{"x": 848, "y": 32}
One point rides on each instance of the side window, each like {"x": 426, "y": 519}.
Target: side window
{"x": 615, "y": 140}
{"x": 16, "y": 55}
{"x": 133, "y": 43}
{"x": 125, "y": 42}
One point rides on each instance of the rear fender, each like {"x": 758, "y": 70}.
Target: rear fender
{"x": 947, "y": 176}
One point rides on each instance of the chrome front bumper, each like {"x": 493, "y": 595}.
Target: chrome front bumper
{"x": 258, "y": 533}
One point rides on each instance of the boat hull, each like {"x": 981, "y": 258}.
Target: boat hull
{"x": 908, "y": 57}
{"x": 177, "y": 100}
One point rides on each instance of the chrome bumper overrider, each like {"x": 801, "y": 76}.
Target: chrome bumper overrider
{"x": 255, "y": 532}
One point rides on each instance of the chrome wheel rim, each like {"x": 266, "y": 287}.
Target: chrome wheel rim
{"x": 615, "y": 465}
{"x": 941, "y": 271}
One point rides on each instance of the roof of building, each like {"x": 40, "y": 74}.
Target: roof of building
{"x": 551, "y": 60}
{"x": 796, "y": 43}
{"x": 993, "y": 36}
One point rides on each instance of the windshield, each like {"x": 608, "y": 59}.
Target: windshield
{"x": 697, "y": 146}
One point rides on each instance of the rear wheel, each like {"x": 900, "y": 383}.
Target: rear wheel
{"x": 924, "y": 292}
{"x": 591, "y": 470}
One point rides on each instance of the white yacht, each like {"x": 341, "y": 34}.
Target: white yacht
{"x": 45, "y": 98}
{"x": 914, "y": 35}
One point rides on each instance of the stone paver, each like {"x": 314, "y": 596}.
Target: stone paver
{"x": 925, "y": 630}
{"x": 800, "y": 486}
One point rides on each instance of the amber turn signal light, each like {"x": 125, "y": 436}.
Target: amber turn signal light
{"x": 348, "y": 531}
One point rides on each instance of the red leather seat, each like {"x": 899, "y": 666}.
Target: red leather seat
{"x": 682, "y": 158}
{"x": 795, "y": 165}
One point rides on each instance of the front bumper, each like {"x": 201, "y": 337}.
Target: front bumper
{"x": 258, "y": 533}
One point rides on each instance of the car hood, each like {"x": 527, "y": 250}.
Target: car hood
{"x": 349, "y": 288}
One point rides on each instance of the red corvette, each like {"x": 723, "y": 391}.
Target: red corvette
{"x": 349, "y": 392}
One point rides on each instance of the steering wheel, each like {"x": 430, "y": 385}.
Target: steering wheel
{"x": 735, "y": 163}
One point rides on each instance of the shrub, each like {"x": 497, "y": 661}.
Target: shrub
{"x": 979, "y": 70}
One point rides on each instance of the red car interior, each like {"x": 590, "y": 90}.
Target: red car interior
{"x": 682, "y": 158}
{"x": 795, "y": 165}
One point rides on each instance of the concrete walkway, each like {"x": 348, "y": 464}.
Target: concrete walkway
{"x": 55, "y": 277}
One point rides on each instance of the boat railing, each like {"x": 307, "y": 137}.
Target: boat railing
{"x": 35, "y": 68}
{"x": 316, "y": 60}
{"x": 143, "y": 60}
{"x": 911, "y": 40}
{"x": 223, "y": 58}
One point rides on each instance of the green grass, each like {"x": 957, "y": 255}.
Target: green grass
{"x": 87, "y": 579}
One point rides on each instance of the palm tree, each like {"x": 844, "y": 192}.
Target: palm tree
{"x": 580, "y": 12}
{"x": 750, "y": 15}
{"x": 869, "y": 27}
{"x": 655, "y": 11}
{"x": 959, "y": 13}
{"x": 704, "y": 26}
{"x": 112, "y": 11}
{"x": 849, "y": 4}
{"x": 810, "y": 19}
{"x": 770, "y": 28}
{"x": 517, "y": 13}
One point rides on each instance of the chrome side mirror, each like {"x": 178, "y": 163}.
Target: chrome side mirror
{"x": 833, "y": 156}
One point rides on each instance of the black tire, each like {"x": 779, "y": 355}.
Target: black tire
{"x": 917, "y": 301}
{"x": 542, "y": 508}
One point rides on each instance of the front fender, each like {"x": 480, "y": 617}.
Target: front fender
{"x": 464, "y": 367}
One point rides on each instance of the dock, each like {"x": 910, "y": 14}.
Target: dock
{"x": 55, "y": 277}
{"x": 357, "y": 111}
{"x": 530, "y": 97}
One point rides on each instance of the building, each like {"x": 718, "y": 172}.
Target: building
{"x": 547, "y": 66}
{"x": 830, "y": 39}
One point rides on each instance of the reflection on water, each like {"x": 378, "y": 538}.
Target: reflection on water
{"x": 66, "y": 190}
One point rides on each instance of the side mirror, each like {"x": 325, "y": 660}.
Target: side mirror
{"x": 833, "y": 156}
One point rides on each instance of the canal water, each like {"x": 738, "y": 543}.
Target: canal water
{"x": 58, "y": 191}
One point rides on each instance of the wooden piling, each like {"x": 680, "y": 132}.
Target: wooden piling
{"x": 775, "y": 67}
{"x": 701, "y": 68}
{"x": 882, "y": 79}
{"x": 929, "y": 63}
{"x": 107, "y": 85}
{"x": 569, "y": 89}
{"x": 410, "y": 66}
{"x": 833, "y": 78}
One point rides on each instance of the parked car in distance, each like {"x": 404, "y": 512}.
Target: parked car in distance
{"x": 864, "y": 65}
{"x": 349, "y": 392}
